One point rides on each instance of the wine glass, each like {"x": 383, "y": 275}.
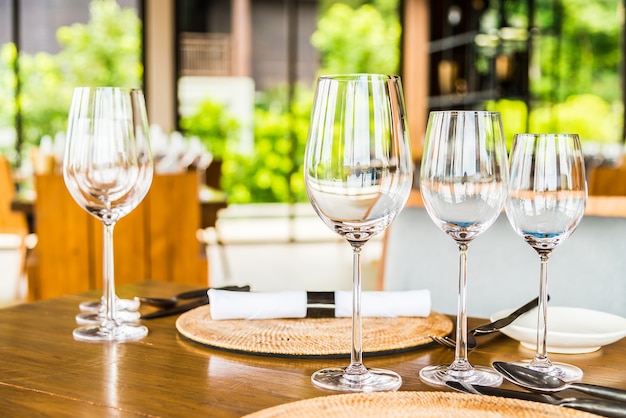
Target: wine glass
{"x": 358, "y": 176}
{"x": 547, "y": 198}
{"x": 96, "y": 306}
{"x": 108, "y": 171}
{"x": 463, "y": 181}
{"x": 93, "y": 312}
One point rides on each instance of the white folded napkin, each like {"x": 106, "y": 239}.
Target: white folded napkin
{"x": 386, "y": 303}
{"x": 226, "y": 304}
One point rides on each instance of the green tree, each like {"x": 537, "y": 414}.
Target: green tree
{"x": 357, "y": 40}
{"x": 577, "y": 43}
{"x": 213, "y": 125}
{"x": 104, "y": 52}
{"x": 352, "y": 36}
{"x": 8, "y": 82}
{"x": 273, "y": 173}
{"x": 574, "y": 69}
{"x": 8, "y": 54}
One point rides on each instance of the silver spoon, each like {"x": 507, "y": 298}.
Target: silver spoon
{"x": 543, "y": 382}
{"x": 595, "y": 406}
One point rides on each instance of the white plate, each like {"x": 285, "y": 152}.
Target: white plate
{"x": 570, "y": 330}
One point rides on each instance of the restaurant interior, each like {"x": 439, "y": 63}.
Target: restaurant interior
{"x": 229, "y": 87}
{"x": 176, "y": 76}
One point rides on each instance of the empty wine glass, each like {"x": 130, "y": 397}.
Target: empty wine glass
{"x": 463, "y": 181}
{"x": 547, "y": 197}
{"x": 358, "y": 176}
{"x": 108, "y": 171}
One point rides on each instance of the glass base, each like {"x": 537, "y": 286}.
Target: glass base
{"x": 375, "y": 380}
{"x": 97, "y": 319}
{"x": 96, "y": 306}
{"x": 564, "y": 371}
{"x": 477, "y": 375}
{"x": 123, "y": 332}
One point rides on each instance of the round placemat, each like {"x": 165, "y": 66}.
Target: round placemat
{"x": 310, "y": 337}
{"x": 414, "y": 405}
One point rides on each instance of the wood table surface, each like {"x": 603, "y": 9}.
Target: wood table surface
{"x": 44, "y": 371}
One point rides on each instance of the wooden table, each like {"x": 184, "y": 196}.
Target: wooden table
{"x": 43, "y": 369}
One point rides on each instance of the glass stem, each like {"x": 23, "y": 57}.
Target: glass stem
{"x": 461, "y": 365}
{"x": 541, "y": 357}
{"x": 356, "y": 368}
{"x": 108, "y": 274}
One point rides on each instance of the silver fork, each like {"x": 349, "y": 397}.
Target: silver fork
{"x": 450, "y": 343}
{"x": 487, "y": 328}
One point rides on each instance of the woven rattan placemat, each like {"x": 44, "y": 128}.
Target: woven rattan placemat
{"x": 414, "y": 405}
{"x": 310, "y": 337}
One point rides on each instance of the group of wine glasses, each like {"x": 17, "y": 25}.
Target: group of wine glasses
{"x": 466, "y": 182}
{"x": 358, "y": 176}
{"x": 358, "y": 173}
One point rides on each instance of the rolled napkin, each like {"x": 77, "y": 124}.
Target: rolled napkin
{"x": 385, "y": 304}
{"x": 257, "y": 305}
{"x": 225, "y": 304}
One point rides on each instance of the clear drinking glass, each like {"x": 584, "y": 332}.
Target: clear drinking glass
{"x": 108, "y": 171}
{"x": 463, "y": 181}
{"x": 97, "y": 306}
{"x": 358, "y": 176}
{"x": 547, "y": 198}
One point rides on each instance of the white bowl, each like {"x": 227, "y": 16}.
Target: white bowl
{"x": 570, "y": 330}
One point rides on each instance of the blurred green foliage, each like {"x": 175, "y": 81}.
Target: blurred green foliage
{"x": 352, "y": 40}
{"x": 577, "y": 49}
{"x": 574, "y": 69}
{"x": 8, "y": 81}
{"x": 272, "y": 172}
{"x": 601, "y": 121}
{"x": 214, "y": 126}
{"x": 574, "y": 75}
{"x": 89, "y": 57}
{"x": 352, "y": 36}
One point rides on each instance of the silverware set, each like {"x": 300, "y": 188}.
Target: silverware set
{"x": 319, "y": 304}
{"x": 607, "y": 408}
{"x": 608, "y": 402}
{"x": 540, "y": 386}
{"x": 170, "y": 306}
{"x": 543, "y": 382}
{"x": 487, "y": 329}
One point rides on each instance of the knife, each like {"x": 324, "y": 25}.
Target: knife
{"x": 171, "y": 301}
{"x": 313, "y": 298}
{"x": 177, "y": 309}
{"x": 503, "y": 322}
{"x": 594, "y": 406}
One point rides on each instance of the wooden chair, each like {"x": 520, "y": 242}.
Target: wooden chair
{"x": 156, "y": 241}
{"x": 10, "y": 222}
{"x": 13, "y": 225}
{"x": 607, "y": 181}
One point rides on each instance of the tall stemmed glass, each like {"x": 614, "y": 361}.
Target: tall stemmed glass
{"x": 358, "y": 176}
{"x": 547, "y": 198}
{"x": 108, "y": 171}
{"x": 463, "y": 181}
